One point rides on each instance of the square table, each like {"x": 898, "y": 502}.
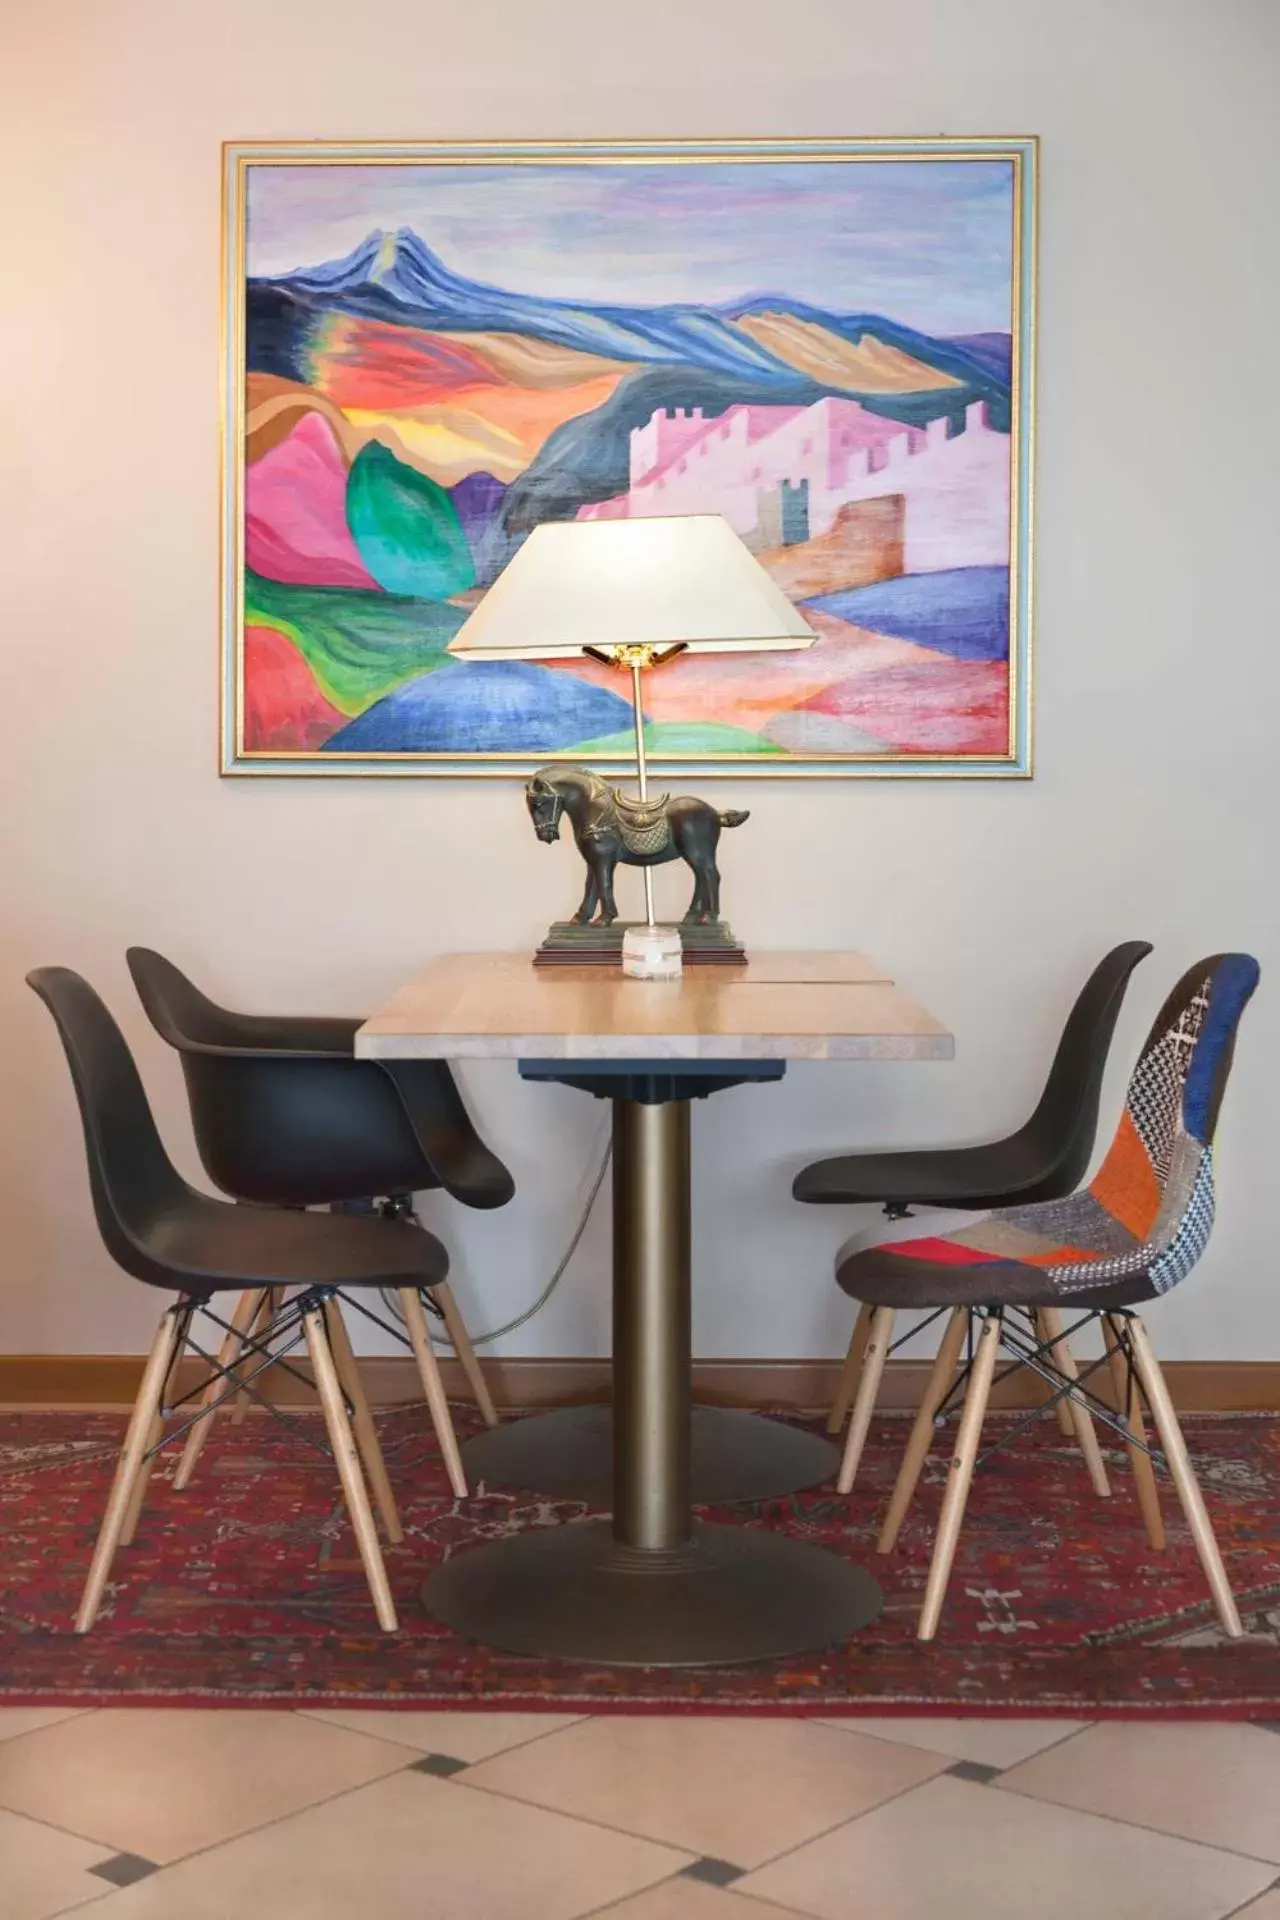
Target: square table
{"x": 653, "y": 1586}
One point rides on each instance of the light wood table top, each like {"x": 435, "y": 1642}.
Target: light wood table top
{"x": 780, "y": 1006}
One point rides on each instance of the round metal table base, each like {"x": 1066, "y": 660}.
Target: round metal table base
{"x": 568, "y": 1454}
{"x": 731, "y": 1595}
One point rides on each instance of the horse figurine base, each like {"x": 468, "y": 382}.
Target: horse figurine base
{"x": 570, "y": 944}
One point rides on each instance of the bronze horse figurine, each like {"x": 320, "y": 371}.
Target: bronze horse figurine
{"x": 609, "y": 827}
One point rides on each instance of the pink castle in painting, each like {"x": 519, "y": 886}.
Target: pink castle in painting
{"x": 784, "y": 475}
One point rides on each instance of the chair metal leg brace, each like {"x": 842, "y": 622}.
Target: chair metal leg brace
{"x": 248, "y": 1314}
{"x": 357, "y": 1406}
{"x": 1066, "y": 1389}
{"x": 272, "y": 1300}
{"x": 239, "y": 1381}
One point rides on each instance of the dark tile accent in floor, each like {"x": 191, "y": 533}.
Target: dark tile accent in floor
{"x": 441, "y": 1764}
{"x": 124, "y": 1869}
{"x": 715, "y": 1873}
{"x": 975, "y": 1770}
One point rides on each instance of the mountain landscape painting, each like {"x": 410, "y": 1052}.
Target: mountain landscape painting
{"x": 432, "y": 349}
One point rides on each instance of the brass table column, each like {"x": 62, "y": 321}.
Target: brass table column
{"x": 568, "y": 1453}
{"x": 654, "y": 1587}
{"x": 652, "y": 1341}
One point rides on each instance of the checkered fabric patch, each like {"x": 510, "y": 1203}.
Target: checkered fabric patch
{"x": 1192, "y": 1234}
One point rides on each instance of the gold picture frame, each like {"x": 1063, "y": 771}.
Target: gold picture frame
{"x": 400, "y": 407}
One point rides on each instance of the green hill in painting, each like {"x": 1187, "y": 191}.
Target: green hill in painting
{"x": 358, "y": 646}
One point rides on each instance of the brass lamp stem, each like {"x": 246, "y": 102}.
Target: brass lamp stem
{"x": 642, "y": 773}
{"x": 637, "y": 658}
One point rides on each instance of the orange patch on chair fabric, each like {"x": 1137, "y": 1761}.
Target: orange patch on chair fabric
{"x": 1126, "y": 1184}
{"x": 1064, "y": 1256}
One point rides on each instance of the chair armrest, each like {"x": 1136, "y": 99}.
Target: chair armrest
{"x": 459, "y": 1158}
{"x": 320, "y": 1037}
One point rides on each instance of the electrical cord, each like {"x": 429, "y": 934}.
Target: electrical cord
{"x": 522, "y": 1319}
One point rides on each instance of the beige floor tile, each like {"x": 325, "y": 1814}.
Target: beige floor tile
{"x": 464, "y": 1736}
{"x": 740, "y": 1790}
{"x": 407, "y": 1848}
{"x": 44, "y": 1872}
{"x": 19, "y": 1720}
{"x": 163, "y": 1782}
{"x": 1217, "y": 1782}
{"x": 951, "y": 1847}
{"x": 995, "y": 1743}
{"x": 690, "y": 1900}
{"x": 1268, "y": 1908}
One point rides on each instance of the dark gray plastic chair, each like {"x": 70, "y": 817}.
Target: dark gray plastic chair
{"x": 195, "y": 1248}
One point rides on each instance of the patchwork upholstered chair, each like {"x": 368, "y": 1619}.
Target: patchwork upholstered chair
{"x": 1045, "y": 1159}
{"x": 1008, "y": 1274}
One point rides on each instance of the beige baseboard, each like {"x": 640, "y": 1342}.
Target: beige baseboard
{"x": 111, "y": 1380}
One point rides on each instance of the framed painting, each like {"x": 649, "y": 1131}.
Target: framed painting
{"x": 430, "y": 349}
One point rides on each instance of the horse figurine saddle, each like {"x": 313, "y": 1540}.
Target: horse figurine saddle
{"x": 643, "y": 824}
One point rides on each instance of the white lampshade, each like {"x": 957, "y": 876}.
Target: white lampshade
{"x": 664, "y": 582}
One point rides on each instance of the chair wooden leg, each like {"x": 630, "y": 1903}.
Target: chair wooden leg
{"x": 1129, "y": 1407}
{"x": 962, "y": 1465}
{"x": 1183, "y": 1475}
{"x": 879, "y": 1335}
{"x": 1062, "y": 1412}
{"x": 240, "y": 1405}
{"x": 362, "y": 1420}
{"x": 347, "y": 1457}
{"x": 246, "y": 1313}
{"x": 272, "y": 1299}
{"x": 141, "y": 1421}
{"x": 939, "y": 1385}
{"x": 456, "y": 1328}
{"x": 848, "y": 1384}
{"x": 142, "y": 1480}
{"x": 433, "y": 1387}
{"x": 1078, "y": 1419}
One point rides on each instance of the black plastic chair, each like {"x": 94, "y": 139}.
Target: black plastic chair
{"x": 185, "y": 1243}
{"x": 284, "y": 1114}
{"x": 1044, "y": 1160}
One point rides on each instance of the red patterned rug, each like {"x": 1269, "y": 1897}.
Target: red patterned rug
{"x": 246, "y": 1590}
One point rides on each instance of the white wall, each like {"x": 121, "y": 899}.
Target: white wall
{"x": 1157, "y": 687}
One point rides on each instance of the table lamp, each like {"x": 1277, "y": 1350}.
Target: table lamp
{"x": 632, "y": 594}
